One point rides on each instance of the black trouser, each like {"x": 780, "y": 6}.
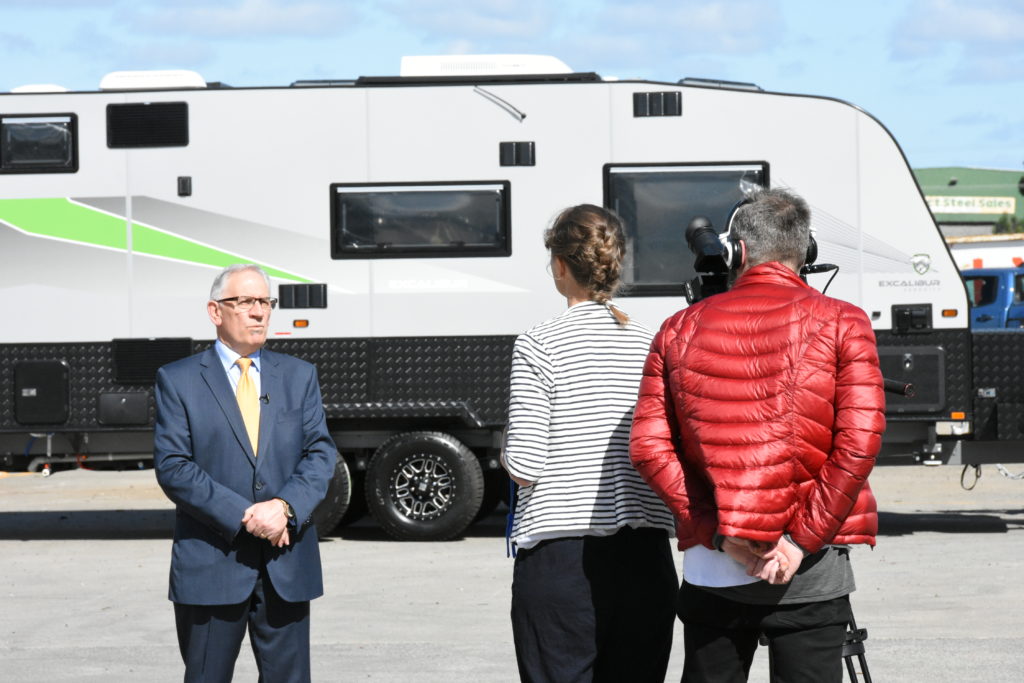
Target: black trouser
{"x": 805, "y": 640}
{"x": 210, "y": 637}
{"x": 597, "y": 608}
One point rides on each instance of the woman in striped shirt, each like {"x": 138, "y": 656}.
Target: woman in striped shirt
{"x": 594, "y": 585}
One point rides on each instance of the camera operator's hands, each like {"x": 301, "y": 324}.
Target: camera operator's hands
{"x": 775, "y": 563}
{"x": 794, "y": 556}
{"x": 772, "y": 566}
{"x": 739, "y": 549}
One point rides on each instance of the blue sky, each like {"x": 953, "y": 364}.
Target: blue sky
{"x": 947, "y": 78}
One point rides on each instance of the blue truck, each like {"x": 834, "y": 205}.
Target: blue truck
{"x": 996, "y": 297}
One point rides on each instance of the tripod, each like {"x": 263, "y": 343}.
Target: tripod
{"x": 853, "y": 646}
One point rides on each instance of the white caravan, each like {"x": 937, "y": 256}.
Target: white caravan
{"x": 400, "y": 219}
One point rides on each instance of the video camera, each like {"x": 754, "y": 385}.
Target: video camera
{"x": 709, "y": 262}
{"x": 717, "y": 259}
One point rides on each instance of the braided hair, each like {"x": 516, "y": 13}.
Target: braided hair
{"x": 592, "y": 243}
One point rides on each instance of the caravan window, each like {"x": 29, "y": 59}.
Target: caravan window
{"x": 657, "y": 202}
{"x": 38, "y": 144}
{"x": 420, "y": 220}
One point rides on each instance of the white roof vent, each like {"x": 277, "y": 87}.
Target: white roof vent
{"x": 39, "y": 87}
{"x": 482, "y": 65}
{"x": 173, "y": 79}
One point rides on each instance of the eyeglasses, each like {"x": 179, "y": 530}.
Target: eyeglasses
{"x": 244, "y": 303}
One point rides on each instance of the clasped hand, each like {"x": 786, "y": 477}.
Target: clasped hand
{"x": 267, "y": 520}
{"x": 775, "y": 563}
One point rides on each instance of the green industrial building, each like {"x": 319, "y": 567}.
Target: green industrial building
{"x": 971, "y": 201}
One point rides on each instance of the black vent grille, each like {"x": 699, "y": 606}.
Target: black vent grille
{"x": 147, "y": 124}
{"x": 668, "y": 103}
{"x": 137, "y": 360}
{"x": 313, "y": 295}
{"x": 517, "y": 153}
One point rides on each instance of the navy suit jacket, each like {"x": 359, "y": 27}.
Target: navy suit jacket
{"x": 205, "y": 464}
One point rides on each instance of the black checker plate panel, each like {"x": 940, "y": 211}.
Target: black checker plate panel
{"x": 998, "y": 363}
{"x": 360, "y": 378}
{"x": 90, "y": 373}
{"x": 958, "y": 385}
{"x": 999, "y": 366}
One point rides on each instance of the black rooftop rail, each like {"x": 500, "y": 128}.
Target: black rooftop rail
{"x": 481, "y": 79}
{"x": 715, "y": 83}
{"x": 323, "y": 83}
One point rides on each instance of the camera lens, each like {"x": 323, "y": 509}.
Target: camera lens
{"x": 705, "y": 245}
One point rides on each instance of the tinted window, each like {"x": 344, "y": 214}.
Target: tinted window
{"x": 981, "y": 291}
{"x": 38, "y": 144}
{"x": 656, "y": 204}
{"x": 464, "y": 219}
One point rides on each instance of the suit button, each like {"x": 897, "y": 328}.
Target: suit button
{"x": 259, "y": 485}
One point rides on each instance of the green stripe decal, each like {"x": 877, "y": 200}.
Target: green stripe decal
{"x": 62, "y": 219}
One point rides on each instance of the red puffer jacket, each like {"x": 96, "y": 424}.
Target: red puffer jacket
{"x": 761, "y": 413}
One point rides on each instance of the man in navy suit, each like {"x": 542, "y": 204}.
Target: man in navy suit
{"x": 245, "y": 550}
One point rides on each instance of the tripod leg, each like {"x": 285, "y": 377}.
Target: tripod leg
{"x": 864, "y": 668}
{"x": 850, "y": 670}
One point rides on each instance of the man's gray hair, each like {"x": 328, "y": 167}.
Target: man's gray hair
{"x": 222, "y": 277}
{"x": 775, "y": 225}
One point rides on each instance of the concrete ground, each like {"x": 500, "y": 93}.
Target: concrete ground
{"x": 83, "y": 587}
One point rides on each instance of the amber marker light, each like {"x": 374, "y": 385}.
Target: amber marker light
{"x": 958, "y": 415}
{"x": 950, "y": 313}
{"x": 300, "y": 323}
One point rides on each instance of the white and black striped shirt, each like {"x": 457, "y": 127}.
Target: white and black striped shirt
{"x": 573, "y": 390}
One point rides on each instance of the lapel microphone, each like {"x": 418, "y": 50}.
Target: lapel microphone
{"x": 265, "y": 399}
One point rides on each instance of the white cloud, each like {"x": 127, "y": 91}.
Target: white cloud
{"x": 989, "y": 68}
{"x": 483, "y": 21}
{"x": 246, "y": 18}
{"x": 986, "y": 37}
{"x": 651, "y": 36}
{"x": 982, "y": 21}
{"x": 650, "y": 27}
{"x": 60, "y": 4}
{"x": 113, "y": 52}
{"x": 696, "y": 26}
{"x": 17, "y": 44}
{"x": 972, "y": 119}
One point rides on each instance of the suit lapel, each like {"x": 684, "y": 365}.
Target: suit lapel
{"x": 272, "y": 398}
{"x": 216, "y": 379}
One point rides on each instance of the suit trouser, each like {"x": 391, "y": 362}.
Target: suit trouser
{"x": 805, "y": 640}
{"x": 210, "y": 637}
{"x": 595, "y": 608}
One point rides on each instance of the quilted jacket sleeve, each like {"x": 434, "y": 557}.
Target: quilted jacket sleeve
{"x": 656, "y": 452}
{"x": 857, "y": 435}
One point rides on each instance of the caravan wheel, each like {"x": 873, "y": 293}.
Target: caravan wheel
{"x": 332, "y": 508}
{"x": 424, "y": 486}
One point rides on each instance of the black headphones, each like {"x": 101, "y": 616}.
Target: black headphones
{"x": 734, "y": 249}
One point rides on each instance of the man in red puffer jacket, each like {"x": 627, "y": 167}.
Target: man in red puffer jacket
{"x": 759, "y": 419}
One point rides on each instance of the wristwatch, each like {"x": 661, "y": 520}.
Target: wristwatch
{"x": 288, "y": 512}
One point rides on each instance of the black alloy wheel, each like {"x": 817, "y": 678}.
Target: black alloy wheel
{"x": 332, "y": 508}
{"x": 424, "y": 486}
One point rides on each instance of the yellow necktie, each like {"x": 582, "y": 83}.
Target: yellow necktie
{"x": 248, "y": 403}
